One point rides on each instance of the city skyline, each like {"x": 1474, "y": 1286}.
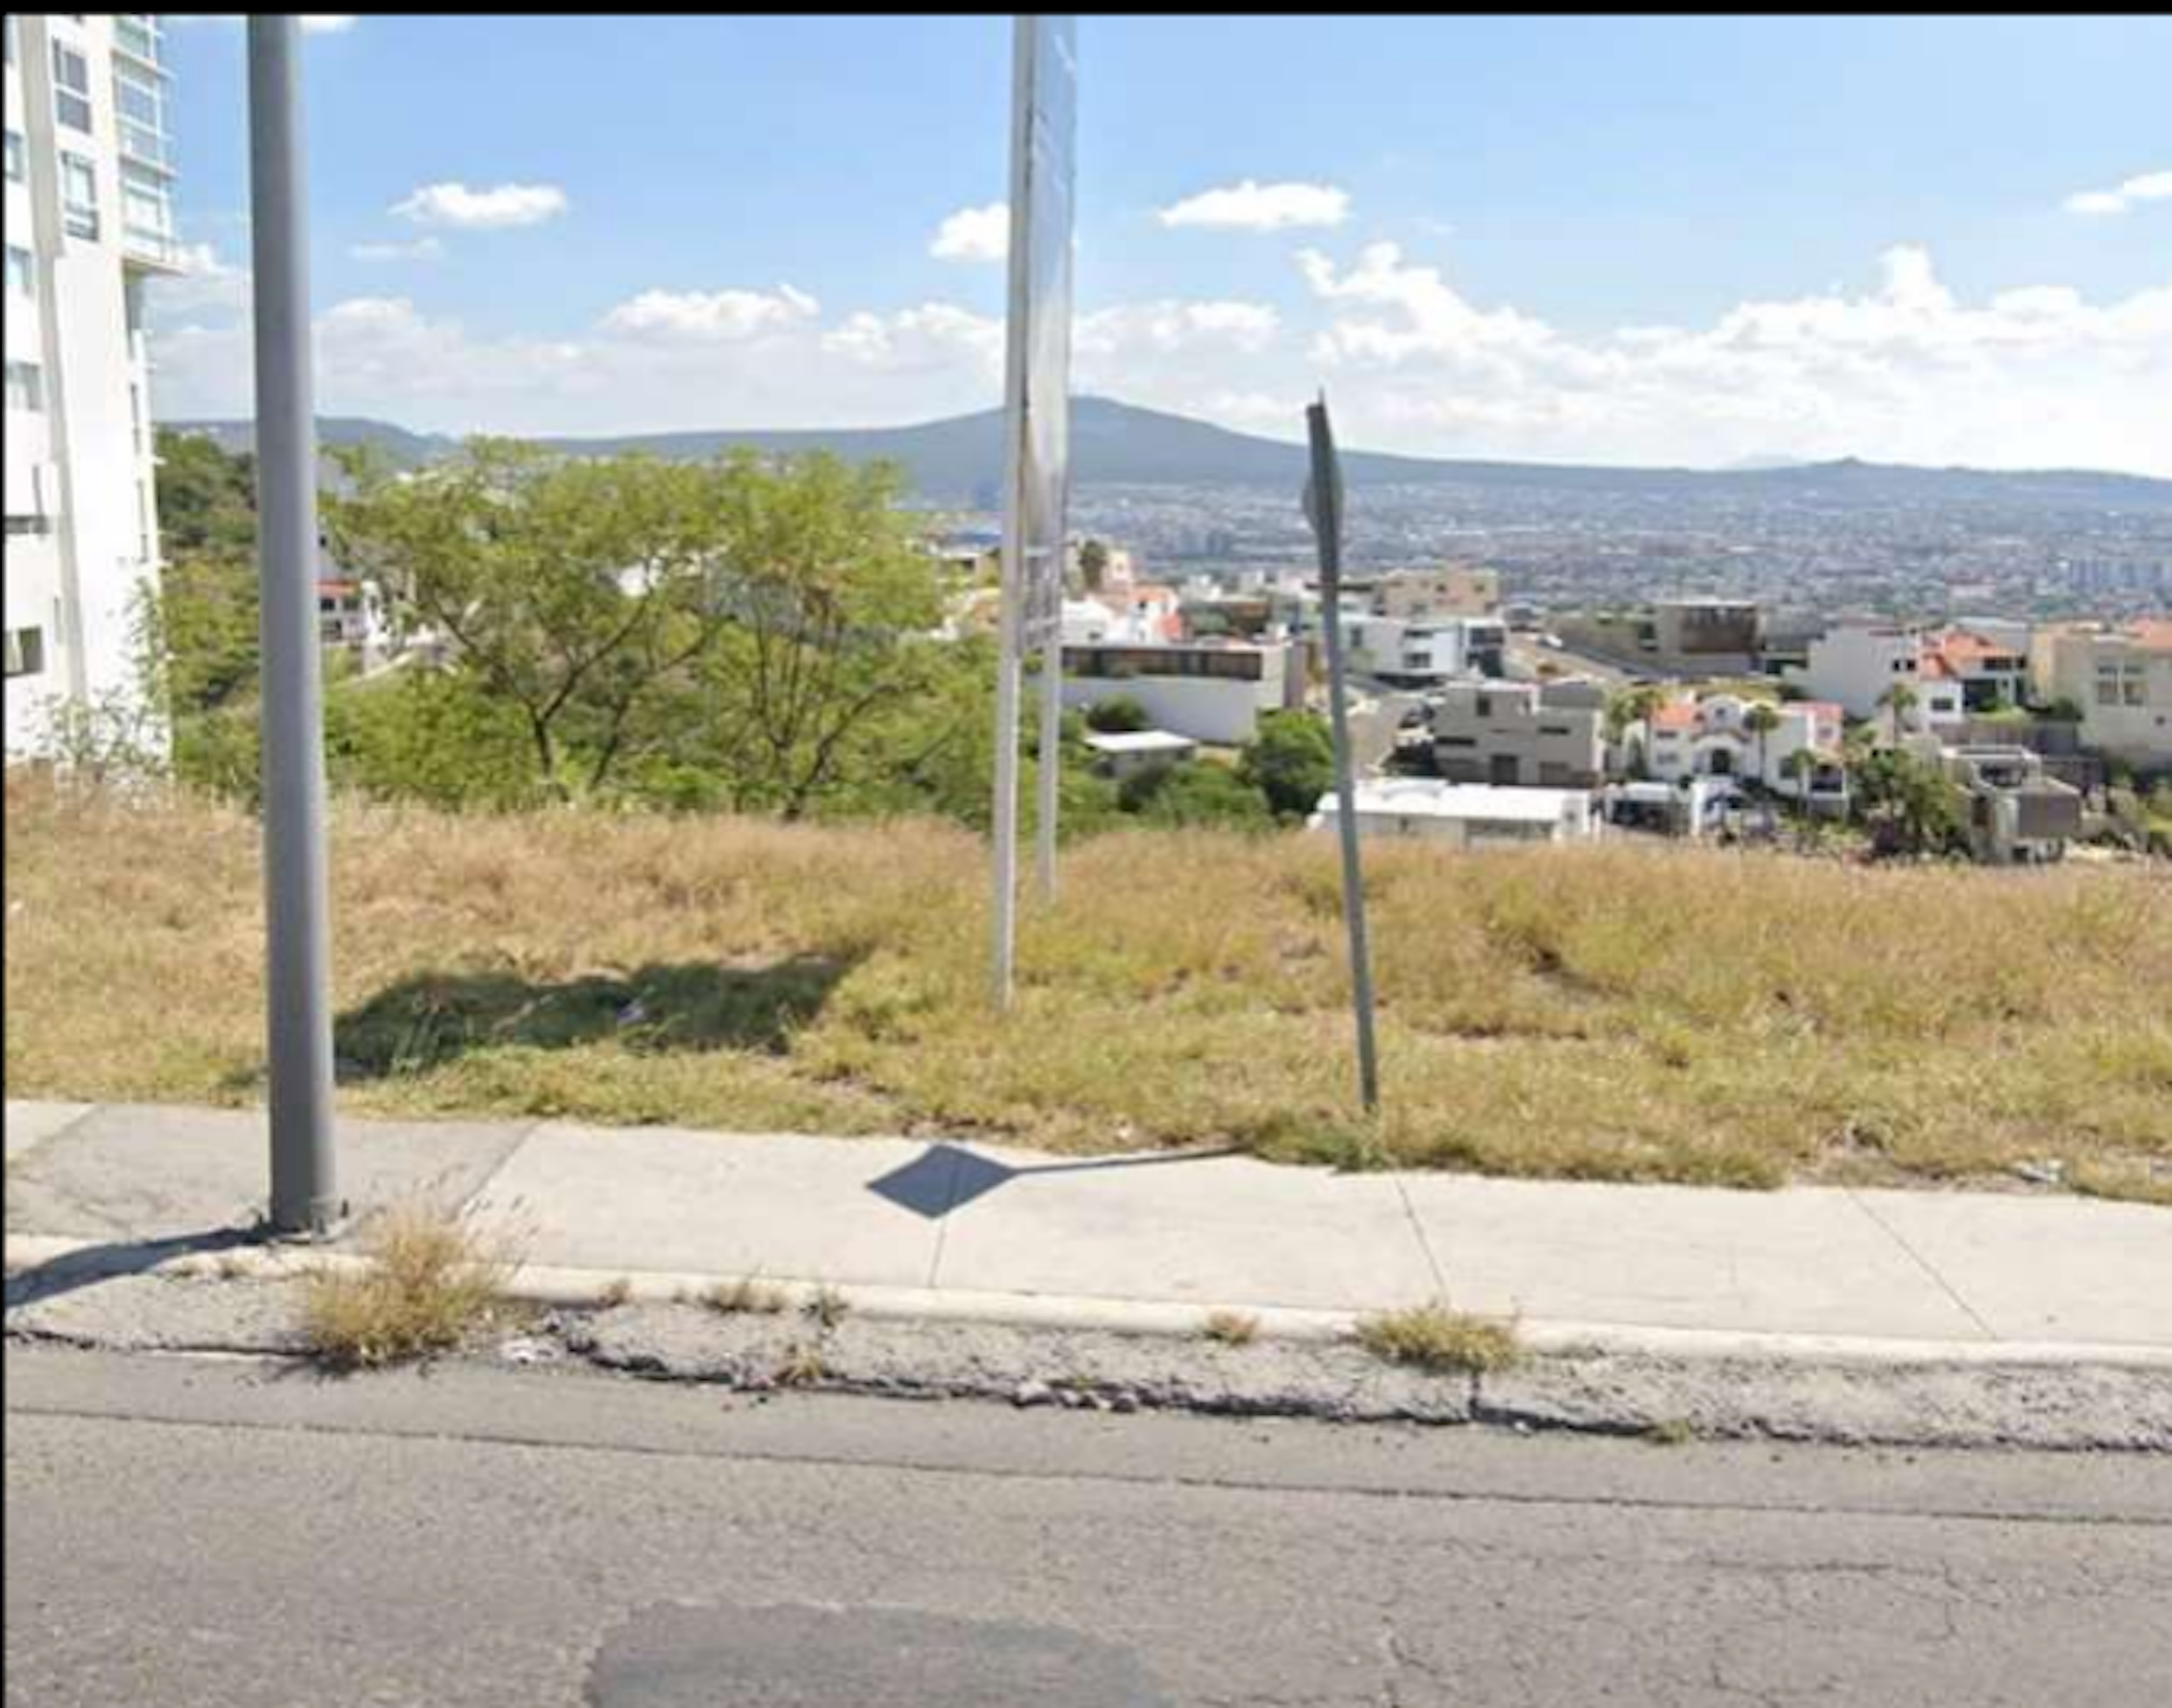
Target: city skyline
{"x": 1671, "y": 241}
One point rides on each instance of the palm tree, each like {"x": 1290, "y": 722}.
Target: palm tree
{"x": 1797, "y": 768}
{"x": 1900, "y": 700}
{"x": 1761, "y": 721}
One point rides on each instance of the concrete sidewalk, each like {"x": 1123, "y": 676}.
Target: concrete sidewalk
{"x": 1154, "y": 1240}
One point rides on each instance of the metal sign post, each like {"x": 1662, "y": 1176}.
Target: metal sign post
{"x": 1322, "y": 508}
{"x": 1037, "y": 423}
{"x": 305, "y": 1188}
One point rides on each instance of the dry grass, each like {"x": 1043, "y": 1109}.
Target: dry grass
{"x": 801, "y": 1367}
{"x": 1604, "y": 1013}
{"x": 828, "y": 1307}
{"x": 746, "y": 1295}
{"x": 429, "y": 1282}
{"x": 1231, "y": 1328}
{"x": 1432, "y": 1337}
{"x": 617, "y": 1292}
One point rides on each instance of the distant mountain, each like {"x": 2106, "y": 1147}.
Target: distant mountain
{"x": 1114, "y": 443}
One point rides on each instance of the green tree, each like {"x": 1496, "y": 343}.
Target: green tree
{"x": 206, "y": 497}
{"x": 1290, "y": 760}
{"x": 1194, "y": 793}
{"x": 1899, "y": 702}
{"x": 1910, "y": 804}
{"x": 1120, "y": 715}
{"x": 1633, "y": 705}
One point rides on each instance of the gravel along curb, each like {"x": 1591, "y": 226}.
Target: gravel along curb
{"x": 2062, "y": 1405}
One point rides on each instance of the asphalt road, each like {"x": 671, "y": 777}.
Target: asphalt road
{"x": 225, "y": 1532}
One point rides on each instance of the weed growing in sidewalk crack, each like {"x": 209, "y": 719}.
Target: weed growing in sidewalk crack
{"x": 1432, "y": 1337}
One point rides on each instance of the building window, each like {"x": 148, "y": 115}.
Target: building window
{"x": 15, "y": 168}
{"x": 35, "y": 526}
{"x": 26, "y": 652}
{"x": 26, "y": 386}
{"x": 71, "y": 87}
{"x": 79, "y": 196}
{"x": 22, "y": 274}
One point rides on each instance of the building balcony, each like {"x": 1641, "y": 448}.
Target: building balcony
{"x": 136, "y": 36}
{"x": 151, "y": 251}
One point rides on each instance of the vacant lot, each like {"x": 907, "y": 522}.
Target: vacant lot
{"x": 1610, "y": 1013}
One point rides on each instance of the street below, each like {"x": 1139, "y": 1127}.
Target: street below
{"x": 197, "y": 1531}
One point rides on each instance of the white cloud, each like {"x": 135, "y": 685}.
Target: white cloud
{"x": 930, "y": 338}
{"x": 974, "y": 234}
{"x": 711, "y": 317}
{"x": 207, "y": 284}
{"x": 1900, "y": 368}
{"x": 482, "y": 210}
{"x": 1424, "y": 315}
{"x": 423, "y": 249}
{"x": 2149, "y": 186}
{"x": 2035, "y": 375}
{"x": 1170, "y": 325}
{"x": 1253, "y": 207}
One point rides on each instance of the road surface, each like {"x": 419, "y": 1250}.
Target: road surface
{"x": 183, "y": 1533}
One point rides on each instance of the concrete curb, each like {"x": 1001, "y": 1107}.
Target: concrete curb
{"x": 540, "y": 1284}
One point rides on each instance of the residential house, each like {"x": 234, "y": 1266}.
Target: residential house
{"x": 1119, "y": 754}
{"x": 1211, "y": 692}
{"x": 1541, "y": 734}
{"x": 1711, "y": 736}
{"x": 1857, "y": 665}
{"x": 2120, "y": 675}
{"x": 1463, "y": 815}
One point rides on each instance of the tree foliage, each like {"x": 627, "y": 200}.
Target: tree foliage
{"x": 1290, "y": 761}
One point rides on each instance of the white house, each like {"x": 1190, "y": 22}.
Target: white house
{"x": 1418, "y": 651}
{"x": 1857, "y": 665}
{"x": 1710, "y": 737}
{"x": 2121, "y": 676}
{"x": 1120, "y": 753}
{"x": 1463, "y": 815}
{"x": 89, "y": 222}
{"x": 1208, "y": 691}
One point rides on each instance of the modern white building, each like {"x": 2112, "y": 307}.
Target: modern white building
{"x": 1534, "y": 734}
{"x": 1207, "y": 692}
{"x": 1465, "y": 815}
{"x": 1857, "y": 665}
{"x": 89, "y": 222}
{"x": 1420, "y": 652}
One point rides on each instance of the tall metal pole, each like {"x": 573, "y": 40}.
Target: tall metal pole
{"x": 1011, "y": 623}
{"x": 304, "y": 1191}
{"x": 1323, "y": 504}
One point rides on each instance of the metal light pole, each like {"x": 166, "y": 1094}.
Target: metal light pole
{"x": 305, "y": 1192}
{"x": 1323, "y": 504}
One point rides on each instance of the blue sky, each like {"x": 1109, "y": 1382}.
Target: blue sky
{"x": 1652, "y": 241}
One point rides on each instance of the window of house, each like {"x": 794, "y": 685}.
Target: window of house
{"x": 79, "y": 196}
{"x": 26, "y": 386}
{"x": 15, "y": 168}
{"x": 22, "y": 273}
{"x": 26, "y": 652}
{"x": 32, "y": 525}
{"x": 71, "y": 87}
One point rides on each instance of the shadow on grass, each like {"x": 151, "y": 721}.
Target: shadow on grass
{"x": 432, "y": 1018}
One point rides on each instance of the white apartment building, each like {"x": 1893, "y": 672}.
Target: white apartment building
{"x": 89, "y": 222}
{"x": 1530, "y": 734}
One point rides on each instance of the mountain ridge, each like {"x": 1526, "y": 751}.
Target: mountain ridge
{"x": 960, "y": 457}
